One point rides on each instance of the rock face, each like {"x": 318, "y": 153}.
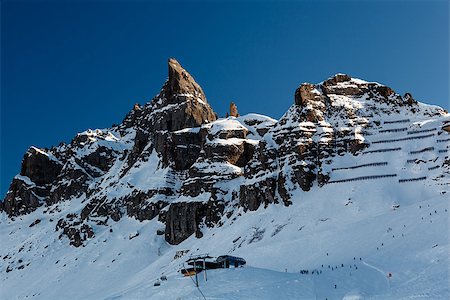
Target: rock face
{"x": 38, "y": 172}
{"x": 40, "y": 167}
{"x": 182, "y": 90}
{"x": 173, "y": 160}
{"x": 20, "y": 198}
{"x": 183, "y": 219}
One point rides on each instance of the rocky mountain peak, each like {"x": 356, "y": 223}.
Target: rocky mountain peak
{"x": 181, "y": 83}
{"x": 338, "y": 78}
{"x": 307, "y": 93}
{"x": 181, "y": 102}
{"x": 328, "y": 96}
{"x": 304, "y": 93}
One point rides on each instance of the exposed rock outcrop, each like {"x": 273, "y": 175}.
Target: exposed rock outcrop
{"x": 40, "y": 167}
{"x": 184, "y": 219}
{"x": 233, "y": 110}
{"x": 74, "y": 230}
{"x": 21, "y": 198}
{"x": 38, "y": 172}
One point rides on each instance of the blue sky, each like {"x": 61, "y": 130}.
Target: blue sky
{"x": 71, "y": 65}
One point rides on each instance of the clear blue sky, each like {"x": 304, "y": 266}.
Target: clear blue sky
{"x": 71, "y": 65}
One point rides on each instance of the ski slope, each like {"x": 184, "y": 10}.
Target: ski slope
{"x": 353, "y": 240}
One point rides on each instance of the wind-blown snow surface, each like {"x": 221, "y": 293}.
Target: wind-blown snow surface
{"x": 351, "y": 241}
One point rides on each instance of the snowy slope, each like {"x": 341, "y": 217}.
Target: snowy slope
{"x": 359, "y": 230}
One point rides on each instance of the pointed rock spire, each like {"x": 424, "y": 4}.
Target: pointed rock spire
{"x": 192, "y": 109}
{"x": 233, "y": 110}
{"x": 181, "y": 104}
{"x": 181, "y": 84}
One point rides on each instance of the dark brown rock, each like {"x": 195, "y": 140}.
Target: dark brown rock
{"x": 183, "y": 219}
{"x": 446, "y": 127}
{"x": 20, "y": 199}
{"x": 305, "y": 93}
{"x": 252, "y": 196}
{"x": 74, "y": 230}
{"x": 246, "y": 155}
{"x": 226, "y": 152}
{"x": 305, "y": 176}
{"x": 101, "y": 158}
{"x": 100, "y": 207}
{"x": 384, "y": 91}
{"x": 233, "y": 110}
{"x": 192, "y": 109}
{"x": 72, "y": 182}
{"x": 408, "y": 98}
{"x": 355, "y": 146}
{"x": 282, "y": 190}
{"x": 140, "y": 142}
{"x": 39, "y": 167}
{"x": 181, "y": 82}
{"x": 184, "y": 148}
{"x": 338, "y": 78}
{"x": 140, "y": 208}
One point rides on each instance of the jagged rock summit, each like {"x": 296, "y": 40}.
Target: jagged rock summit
{"x": 181, "y": 82}
{"x": 180, "y": 104}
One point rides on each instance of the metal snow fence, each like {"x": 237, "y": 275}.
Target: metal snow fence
{"x": 423, "y": 150}
{"x": 393, "y": 130}
{"x": 444, "y": 140}
{"x": 443, "y": 151}
{"x": 433, "y": 168}
{"x": 405, "y": 139}
{"x": 412, "y": 179}
{"x": 421, "y": 131}
{"x": 409, "y": 161}
{"x": 397, "y": 121}
{"x": 366, "y": 132}
{"x": 382, "y": 150}
{"x": 363, "y": 178}
{"x": 361, "y": 166}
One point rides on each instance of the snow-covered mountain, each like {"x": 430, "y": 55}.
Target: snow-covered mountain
{"x": 350, "y": 185}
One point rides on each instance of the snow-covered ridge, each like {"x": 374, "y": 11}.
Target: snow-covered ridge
{"x": 43, "y": 152}
{"x": 93, "y": 135}
{"x": 25, "y": 179}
